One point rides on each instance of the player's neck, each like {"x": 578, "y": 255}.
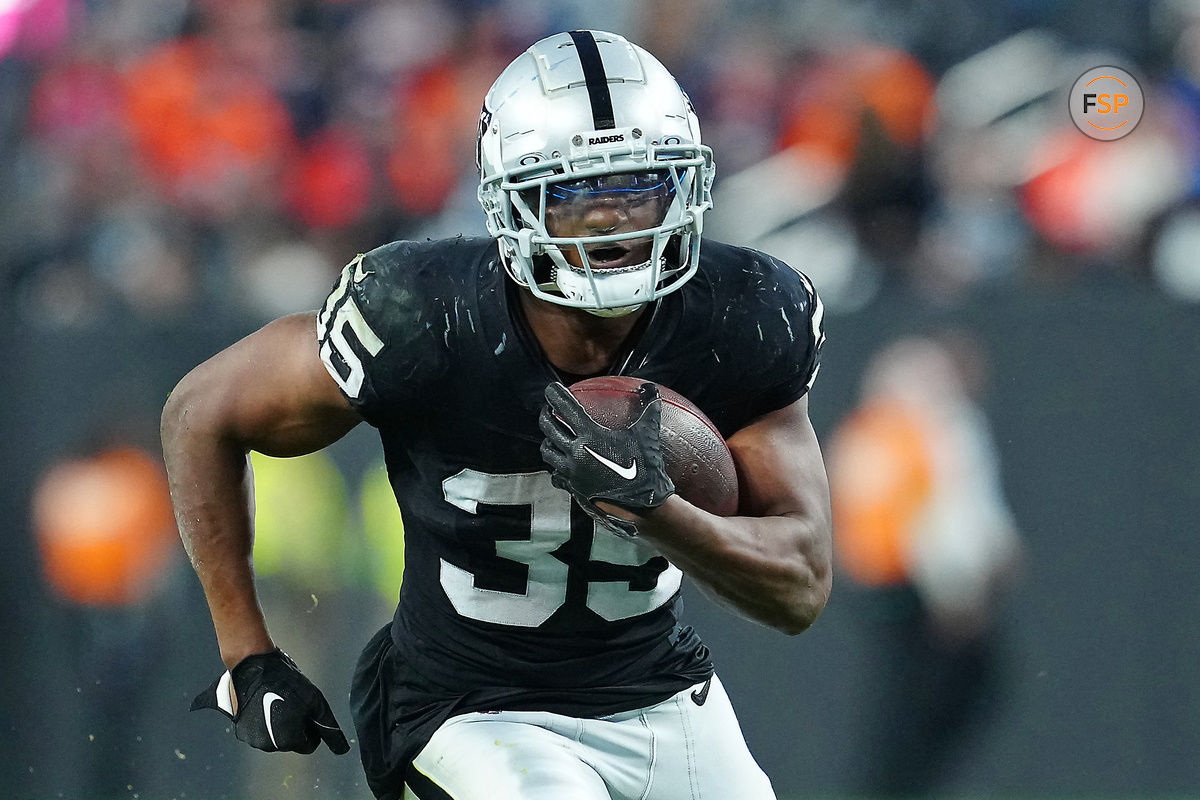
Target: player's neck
{"x": 573, "y": 340}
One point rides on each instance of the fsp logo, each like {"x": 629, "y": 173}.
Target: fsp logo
{"x": 1106, "y": 103}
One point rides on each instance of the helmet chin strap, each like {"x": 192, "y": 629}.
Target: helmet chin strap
{"x": 627, "y": 284}
{"x": 607, "y": 313}
{"x": 619, "y": 311}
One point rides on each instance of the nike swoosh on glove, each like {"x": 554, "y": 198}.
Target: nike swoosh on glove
{"x": 592, "y": 462}
{"x": 273, "y": 706}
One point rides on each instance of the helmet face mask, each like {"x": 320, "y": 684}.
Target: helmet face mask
{"x": 604, "y": 219}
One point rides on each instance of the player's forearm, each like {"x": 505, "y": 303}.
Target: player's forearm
{"x": 774, "y": 570}
{"x": 270, "y": 393}
{"x": 211, "y": 489}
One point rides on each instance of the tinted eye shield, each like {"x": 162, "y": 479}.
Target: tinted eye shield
{"x": 648, "y": 195}
{"x": 658, "y": 190}
{"x": 633, "y": 188}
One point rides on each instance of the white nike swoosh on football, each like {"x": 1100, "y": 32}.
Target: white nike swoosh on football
{"x": 628, "y": 473}
{"x": 269, "y": 699}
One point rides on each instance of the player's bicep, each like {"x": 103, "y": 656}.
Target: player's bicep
{"x": 270, "y": 392}
{"x": 780, "y": 469}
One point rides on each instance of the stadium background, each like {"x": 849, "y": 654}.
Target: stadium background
{"x": 175, "y": 173}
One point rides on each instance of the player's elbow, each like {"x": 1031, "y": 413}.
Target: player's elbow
{"x": 803, "y": 611}
{"x": 788, "y": 605}
{"x": 171, "y": 423}
{"x": 188, "y": 411}
{"x": 795, "y": 628}
{"x": 807, "y": 595}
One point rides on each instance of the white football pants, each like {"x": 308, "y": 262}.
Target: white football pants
{"x": 679, "y": 749}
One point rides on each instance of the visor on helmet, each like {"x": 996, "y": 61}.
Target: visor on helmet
{"x": 633, "y": 187}
{"x": 648, "y": 192}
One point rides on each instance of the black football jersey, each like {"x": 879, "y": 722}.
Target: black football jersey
{"x": 512, "y": 597}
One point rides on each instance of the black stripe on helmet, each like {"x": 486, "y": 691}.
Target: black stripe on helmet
{"x": 596, "y": 79}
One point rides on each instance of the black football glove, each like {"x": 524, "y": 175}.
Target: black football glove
{"x": 592, "y": 462}
{"x": 273, "y": 706}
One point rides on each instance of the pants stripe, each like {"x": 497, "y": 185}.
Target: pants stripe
{"x": 423, "y": 786}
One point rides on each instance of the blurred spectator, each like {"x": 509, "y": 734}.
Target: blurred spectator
{"x": 1093, "y": 201}
{"x": 205, "y": 115}
{"x": 106, "y": 533}
{"x": 864, "y": 108}
{"x": 921, "y": 522}
{"x": 855, "y": 90}
{"x": 105, "y": 527}
{"x": 841, "y": 190}
{"x": 980, "y": 146}
{"x": 436, "y": 120}
{"x": 330, "y": 184}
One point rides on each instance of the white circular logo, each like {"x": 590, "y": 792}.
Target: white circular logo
{"x": 1106, "y": 103}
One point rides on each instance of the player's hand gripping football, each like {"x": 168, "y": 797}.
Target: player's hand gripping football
{"x": 592, "y": 462}
{"x": 273, "y": 706}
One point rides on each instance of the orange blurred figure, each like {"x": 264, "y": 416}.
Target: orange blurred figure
{"x": 921, "y": 523}
{"x": 104, "y": 527}
{"x": 212, "y": 130}
{"x": 842, "y": 90}
{"x": 883, "y": 482}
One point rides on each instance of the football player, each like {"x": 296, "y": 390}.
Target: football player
{"x": 535, "y": 651}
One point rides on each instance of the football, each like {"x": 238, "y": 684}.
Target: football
{"x": 697, "y": 458}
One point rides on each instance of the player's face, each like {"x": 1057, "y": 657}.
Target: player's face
{"x": 609, "y": 204}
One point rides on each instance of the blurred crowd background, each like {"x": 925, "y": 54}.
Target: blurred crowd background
{"x": 1008, "y": 396}
{"x": 217, "y": 156}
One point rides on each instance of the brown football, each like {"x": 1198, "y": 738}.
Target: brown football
{"x": 697, "y": 458}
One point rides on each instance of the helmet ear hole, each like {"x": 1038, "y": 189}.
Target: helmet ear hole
{"x": 543, "y": 269}
{"x": 673, "y": 249}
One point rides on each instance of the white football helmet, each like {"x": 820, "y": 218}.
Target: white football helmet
{"x": 581, "y": 121}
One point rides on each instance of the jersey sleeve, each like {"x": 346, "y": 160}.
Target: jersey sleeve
{"x": 800, "y": 340}
{"x": 765, "y": 335}
{"x": 762, "y": 338}
{"x": 373, "y": 335}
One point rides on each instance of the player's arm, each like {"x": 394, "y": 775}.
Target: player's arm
{"x": 270, "y": 393}
{"x": 772, "y": 563}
